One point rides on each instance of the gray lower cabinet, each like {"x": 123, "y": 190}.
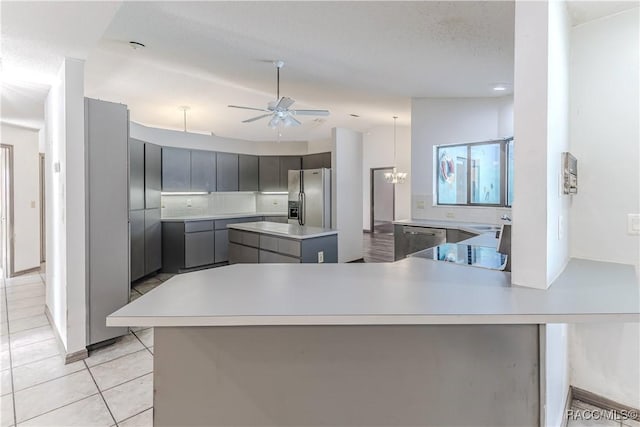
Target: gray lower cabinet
{"x": 267, "y": 257}
{"x": 248, "y": 175}
{"x": 316, "y": 161}
{"x": 152, "y": 175}
{"x": 269, "y": 171}
{"x": 176, "y": 169}
{"x": 137, "y": 241}
{"x": 199, "y": 248}
{"x": 240, "y": 254}
{"x": 152, "y": 241}
{"x": 222, "y": 246}
{"x": 203, "y": 171}
{"x": 227, "y": 172}
{"x": 136, "y": 174}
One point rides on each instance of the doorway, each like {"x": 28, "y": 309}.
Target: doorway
{"x": 382, "y": 201}
{"x": 6, "y": 210}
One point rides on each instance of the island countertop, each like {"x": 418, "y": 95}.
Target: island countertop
{"x": 409, "y": 292}
{"x": 292, "y": 231}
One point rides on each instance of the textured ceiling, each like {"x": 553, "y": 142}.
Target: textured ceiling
{"x": 365, "y": 58}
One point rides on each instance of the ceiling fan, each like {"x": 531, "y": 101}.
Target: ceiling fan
{"x": 279, "y": 110}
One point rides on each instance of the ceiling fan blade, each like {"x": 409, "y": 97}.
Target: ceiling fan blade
{"x": 284, "y": 103}
{"x": 247, "y": 108}
{"x": 310, "y": 112}
{"x": 289, "y": 120}
{"x": 253, "y": 119}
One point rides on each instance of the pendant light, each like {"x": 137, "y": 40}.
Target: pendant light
{"x": 395, "y": 177}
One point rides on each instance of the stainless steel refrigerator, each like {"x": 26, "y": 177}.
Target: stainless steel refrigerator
{"x": 310, "y": 197}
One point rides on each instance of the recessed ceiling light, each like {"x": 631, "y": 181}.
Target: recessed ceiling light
{"x": 136, "y": 45}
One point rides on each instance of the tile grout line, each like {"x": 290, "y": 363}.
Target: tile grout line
{"x": 135, "y": 415}
{"x": 55, "y": 409}
{"x": 143, "y": 344}
{"x": 100, "y": 393}
{"x": 127, "y": 381}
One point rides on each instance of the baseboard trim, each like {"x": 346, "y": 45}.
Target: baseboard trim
{"x": 23, "y": 272}
{"x": 603, "y": 402}
{"x": 567, "y": 407}
{"x": 68, "y": 357}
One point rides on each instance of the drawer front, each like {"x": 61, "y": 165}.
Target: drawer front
{"x": 289, "y": 247}
{"x": 195, "y": 226}
{"x": 244, "y": 238}
{"x": 221, "y": 224}
{"x": 239, "y": 254}
{"x": 269, "y": 243}
{"x": 271, "y": 258}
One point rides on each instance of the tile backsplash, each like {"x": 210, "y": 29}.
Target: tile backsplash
{"x": 208, "y": 204}
{"x": 222, "y": 203}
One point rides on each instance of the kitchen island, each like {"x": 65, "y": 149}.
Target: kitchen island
{"x": 415, "y": 342}
{"x": 268, "y": 242}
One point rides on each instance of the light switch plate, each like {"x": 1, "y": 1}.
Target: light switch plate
{"x": 320, "y": 257}
{"x": 633, "y": 224}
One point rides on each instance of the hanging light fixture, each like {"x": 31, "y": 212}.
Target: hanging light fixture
{"x": 395, "y": 177}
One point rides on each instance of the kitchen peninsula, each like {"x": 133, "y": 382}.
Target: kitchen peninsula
{"x": 415, "y": 342}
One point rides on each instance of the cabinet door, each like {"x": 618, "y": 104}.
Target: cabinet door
{"x": 227, "y": 172}
{"x": 152, "y": 241}
{"x": 288, "y": 163}
{"x": 176, "y": 169}
{"x": 222, "y": 246}
{"x": 203, "y": 171}
{"x": 316, "y": 161}
{"x": 198, "y": 248}
{"x": 248, "y": 172}
{"x": 136, "y": 174}
{"x": 239, "y": 254}
{"x": 136, "y": 241}
{"x": 269, "y": 171}
{"x": 152, "y": 175}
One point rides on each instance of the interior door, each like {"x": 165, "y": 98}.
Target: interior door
{"x": 382, "y": 202}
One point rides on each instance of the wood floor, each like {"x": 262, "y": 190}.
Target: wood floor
{"x": 377, "y": 247}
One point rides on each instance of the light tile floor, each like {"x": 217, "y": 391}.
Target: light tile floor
{"x": 112, "y": 387}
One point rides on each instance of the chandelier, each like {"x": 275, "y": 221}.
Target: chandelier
{"x": 395, "y": 177}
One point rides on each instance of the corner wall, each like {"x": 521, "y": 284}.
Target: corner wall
{"x": 26, "y": 195}
{"x": 346, "y": 192}
{"x": 65, "y": 205}
{"x": 438, "y": 121}
{"x": 605, "y": 135}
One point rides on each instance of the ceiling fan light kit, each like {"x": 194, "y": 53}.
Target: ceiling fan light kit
{"x": 278, "y": 110}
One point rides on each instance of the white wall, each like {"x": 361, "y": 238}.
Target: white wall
{"x": 346, "y": 192}
{"x": 437, "y": 121}
{"x": 65, "y": 205}
{"x": 377, "y": 151}
{"x": 26, "y": 195}
{"x": 605, "y": 139}
{"x": 172, "y": 138}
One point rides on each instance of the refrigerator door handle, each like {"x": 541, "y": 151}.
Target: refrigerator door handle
{"x": 302, "y": 208}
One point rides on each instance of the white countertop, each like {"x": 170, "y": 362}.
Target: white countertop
{"x": 220, "y": 216}
{"x": 471, "y": 227}
{"x": 411, "y": 291}
{"x": 292, "y": 231}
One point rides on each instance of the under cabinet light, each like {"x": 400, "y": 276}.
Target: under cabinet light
{"x": 274, "y": 192}
{"x": 184, "y": 193}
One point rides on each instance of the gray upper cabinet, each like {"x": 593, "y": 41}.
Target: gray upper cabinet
{"x": 152, "y": 175}
{"x": 316, "y": 161}
{"x": 288, "y": 163}
{"x": 227, "y": 172}
{"x": 136, "y": 174}
{"x": 269, "y": 173}
{"x": 176, "y": 169}
{"x": 203, "y": 171}
{"x": 248, "y": 172}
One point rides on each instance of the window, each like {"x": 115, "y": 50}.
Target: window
{"x": 476, "y": 174}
